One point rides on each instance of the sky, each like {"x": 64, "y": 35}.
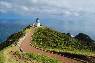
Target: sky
{"x": 48, "y": 7}
{"x": 78, "y": 14}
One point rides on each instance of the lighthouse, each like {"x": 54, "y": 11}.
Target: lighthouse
{"x": 38, "y": 22}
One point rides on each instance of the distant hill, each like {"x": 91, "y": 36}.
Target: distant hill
{"x": 86, "y": 40}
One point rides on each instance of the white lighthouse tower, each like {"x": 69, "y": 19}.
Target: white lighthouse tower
{"x": 38, "y": 22}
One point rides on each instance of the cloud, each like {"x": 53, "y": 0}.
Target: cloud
{"x": 4, "y": 4}
{"x": 2, "y": 11}
{"x": 69, "y": 13}
{"x": 24, "y": 8}
{"x": 48, "y": 7}
{"x": 76, "y": 14}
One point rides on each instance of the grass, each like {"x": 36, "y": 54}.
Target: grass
{"x": 1, "y": 57}
{"x": 16, "y": 56}
{"x": 41, "y": 58}
{"x": 13, "y": 38}
{"x": 5, "y": 56}
{"x": 11, "y": 53}
{"x": 52, "y": 40}
{"x": 4, "y": 46}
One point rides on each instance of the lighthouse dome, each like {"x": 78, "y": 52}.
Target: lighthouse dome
{"x": 37, "y": 22}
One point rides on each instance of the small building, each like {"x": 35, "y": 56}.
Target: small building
{"x": 37, "y": 23}
{"x": 72, "y": 36}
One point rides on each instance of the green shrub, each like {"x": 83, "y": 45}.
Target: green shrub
{"x": 41, "y": 58}
{"x": 12, "y": 39}
{"x": 1, "y": 57}
{"x": 50, "y": 39}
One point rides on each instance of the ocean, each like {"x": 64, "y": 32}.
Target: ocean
{"x": 10, "y": 26}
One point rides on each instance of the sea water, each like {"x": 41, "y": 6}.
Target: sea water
{"x": 10, "y": 26}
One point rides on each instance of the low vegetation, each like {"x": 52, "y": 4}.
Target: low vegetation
{"x": 47, "y": 39}
{"x": 11, "y": 39}
{"x": 52, "y": 40}
{"x": 1, "y": 57}
{"x": 41, "y": 58}
{"x": 86, "y": 40}
{"x": 10, "y": 52}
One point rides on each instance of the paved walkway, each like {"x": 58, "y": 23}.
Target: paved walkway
{"x": 26, "y": 47}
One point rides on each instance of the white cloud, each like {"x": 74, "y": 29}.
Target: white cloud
{"x": 67, "y": 13}
{"x": 2, "y": 11}
{"x": 5, "y": 4}
{"x": 49, "y": 7}
{"x": 34, "y": 1}
{"x": 24, "y": 8}
{"x": 76, "y": 14}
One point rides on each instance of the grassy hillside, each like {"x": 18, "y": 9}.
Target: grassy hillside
{"x": 45, "y": 38}
{"x": 13, "y": 39}
{"x": 60, "y": 42}
{"x": 41, "y": 58}
{"x": 10, "y": 52}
